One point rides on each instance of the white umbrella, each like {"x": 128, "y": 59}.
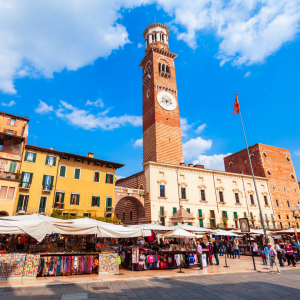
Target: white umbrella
{"x": 152, "y": 227}
{"x": 252, "y": 231}
{"x": 224, "y": 232}
{"x": 193, "y": 228}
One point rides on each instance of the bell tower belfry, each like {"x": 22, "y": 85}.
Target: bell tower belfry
{"x": 161, "y": 120}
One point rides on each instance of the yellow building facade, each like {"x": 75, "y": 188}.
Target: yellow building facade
{"x": 77, "y": 185}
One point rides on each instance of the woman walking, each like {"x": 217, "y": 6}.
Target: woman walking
{"x": 216, "y": 252}
{"x": 289, "y": 254}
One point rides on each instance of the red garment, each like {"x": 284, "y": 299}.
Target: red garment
{"x": 152, "y": 237}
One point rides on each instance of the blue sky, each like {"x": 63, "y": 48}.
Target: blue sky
{"x": 73, "y": 70}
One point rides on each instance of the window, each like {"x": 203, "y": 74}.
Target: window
{"x": 274, "y": 188}
{"x": 1, "y": 144}
{"x": 201, "y": 223}
{"x": 22, "y": 203}
{"x": 162, "y": 211}
{"x": 77, "y": 174}
{"x": 287, "y": 158}
{"x": 251, "y": 216}
{"x": 245, "y": 215}
{"x": 63, "y": 171}
{"x": 174, "y": 210}
{"x": 224, "y": 214}
{"x": 26, "y": 180}
{"x": 162, "y": 191}
{"x": 237, "y": 199}
{"x": 30, "y": 157}
{"x": 203, "y": 195}
{"x": 188, "y": 210}
{"x": 289, "y": 224}
{"x": 108, "y": 207}
{"x": 12, "y": 167}
{"x": 279, "y": 217}
{"x": 252, "y": 199}
{"x": 42, "y": 207}
{"x": 230, "y": 165}
{"x": 266, "y": 217}
{"x": 288, "y": 217}
{"x": 97, "y": 176}
{"x": 280, "y": 223}
{"x": 87, "y": 215}
{"x": 221, "y": 196}
{"x": 123, "y": 215}
{"x": 141, "y": 187}
{"x": 200, "y": 213}
{"x": 74, "y": 199}
{"x": 59, "y": 200}
{"x": 212, "y": 214}
{"x": 50, "y": 161}
{"x": 292, "y": 176}
{"x": 266, "y": 200}
{"x": 48, "y": 182}
{"x": 264, "y": 154}
{"x": 268, "y": 171}
{"x": 252, "y": 156}
{"x": 274, "y": 225}
{"x": 3, "y": 192}
{"x": 272, "y": 217}
{"x": 288, "y": 203}
{"x": 183, "y": 193}
{"x": 95, "y": 200}
{"x": 10, "y": 193}
{"x": 73, "y": 214}
{"x": 109, "y": 178}
{"x": 235, "y": 215}
{"x": 12, "y": 122}
{"x": 130, "y": 215}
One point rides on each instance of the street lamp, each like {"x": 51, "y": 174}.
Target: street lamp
{"x": 293, "y": 210}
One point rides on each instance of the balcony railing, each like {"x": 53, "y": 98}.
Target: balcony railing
{"x": 25, "y": 185}
{"x": 21, "y": 209}
{"x": 59, "y": 205}
{"x": 235, "y": 217}
{"x": 201, "y": 216}
{"x": 8, "y": 175}
{"x": 162, "y": 214}
{"x": 47, "y": 188}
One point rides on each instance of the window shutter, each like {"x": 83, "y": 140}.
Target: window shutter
{"x": 71, "y": 199}
{"x": 98, "y": 203}
{"x": 54, "y": 161}
{"x": 44, "y": 179}
{"x": 107, "y": 205}
{"x": 56, "y": 197}
{"x": 95, "y": 177}
{"x": 61, "y": 172}
{"x": 30, "y": 178}
{"x": 20, "y": 201}
{"x": 188, "y": 210}
{"x": 93, "y": 200}
{"x": 174, "y": 210}
{"x": 26, "y": 202}
{"x": 47, "y": 158}
{"x": 34, "y": 157}
{"x": 245, "y": 215}
{"x": 106, "y": 179}
{"x": 77, "y": 173}
{"x": 77, "y": 202}
{"x": 22, "y": 177}
{"x": 226, "y": 214}
{"x": 8, "y": 121}
{"x": 201, "y": 222}
{"x": 12, "y": 167}
{"x": 200, "y": 212}
{"x": 16, "y": 122}
{"x": 251, "y": 215}
{"x": 26, "y": 156}
{"x": 51, "y": 180}
{"x": 112, "y": 179}
{"x": 63, "y": 198}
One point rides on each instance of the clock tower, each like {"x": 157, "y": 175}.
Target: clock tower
{"x": 161, "y": 121}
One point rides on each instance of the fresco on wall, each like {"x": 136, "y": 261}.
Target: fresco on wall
{"x": 11, "y": 148}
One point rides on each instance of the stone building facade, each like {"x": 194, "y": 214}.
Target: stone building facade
{"x": 276, "y": 165}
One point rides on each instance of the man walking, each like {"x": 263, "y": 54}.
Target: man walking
{"x": 236, "y": 248}
{"x": 273, "y": 258}
{"x": 199, "y": 255}
{"x": 280, "y": 254}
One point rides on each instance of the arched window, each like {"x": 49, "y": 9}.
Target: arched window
{"x": 293, "y": 177}
{"x": 131, "y": 215}
{"x": 167, "y": 69}
{"x": 141, "y": 187}
{"x": 264, "y": 154}
{"x": 287, "y": 158}
{"x": 268, "y": 171}
{"x": 252, "y": 156}
{"x": 230, "y": 165}
{"x": 123, "y": 219}
{"x": 163, "y": 68}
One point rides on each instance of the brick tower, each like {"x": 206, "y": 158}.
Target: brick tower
{"x": 161, "y": 121}
{"x": 275, "y": 164}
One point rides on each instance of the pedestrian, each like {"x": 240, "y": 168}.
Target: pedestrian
{"x": 263, "y": 256}
{"x": 236, "y": 248}
{"x": 280, "y": 253}
{"x": 295, "y": 244}
{"x": 221, "y": 247}
{"x": 273, "y": 258}
{"x": 216, "y": 252}
{"x": 289, "y": 254}
{"x": 210, "y": 253}
{"x": 266, "y": 249}
{"x": 228, "y": 249}
{"x": 199, "y": 255}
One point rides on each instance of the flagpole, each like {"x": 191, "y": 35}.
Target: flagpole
{"x": 260, "y": 211}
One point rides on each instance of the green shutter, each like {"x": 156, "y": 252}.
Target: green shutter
{"x": 30, "y": 178}
{"x": 63, "y": 198}
{"x": 12, "y": 167}
{"x": 188, "y": 210}
{"x": 26, "y": 203}
{"x": 44, "y": 180}
{"x": 56, "y": 197}
{"x": 106, "y": 204}
{"x": 251, "y": 215}
{"x": 51, "y": 180}
{"x": 112, "y": 179}
{"x": 26, "y": 156}
{"x": 34, "y": 157}
{"x": 20, "y": 201}
{"x": 189, "y": 223}
{"x": 77, "y": 202}
{"x": 245, "y": 215}
{"x": 71, "y": 199}
{"x": 226, "y": 214}
{"x": 200, "y": 213}
{"x": 174, "y": 210}
{"x": 54, "y": 161}
{"x": 77, "y": 174}
{"x": 92, "y": 201}
{"x": 98, "y": 202}
{"x": 22, "y": 177}
{"x": 47, "y": 158}
{"x": 106, "y": 178}
{"x": 201, "y": 222}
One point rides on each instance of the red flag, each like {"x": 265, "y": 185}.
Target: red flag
{"x": 236, "y": 107}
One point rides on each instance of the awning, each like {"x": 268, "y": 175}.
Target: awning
{"x": 177, "y": 233}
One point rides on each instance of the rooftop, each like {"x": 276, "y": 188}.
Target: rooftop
{"x": 14, "y": 116}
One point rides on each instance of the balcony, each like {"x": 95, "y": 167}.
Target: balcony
{"x": 162, "y": 214}
{"x": 235, "y": 217}
{"x": 59, "y": 205}
{"x": 8, "y": 175}
{"x": 201, "y": 216}
{"x": 47, "y": 188}
{"x": 25, "y": 185}
{"x": 212, "y": 216}
{"x": 119, "y": 189}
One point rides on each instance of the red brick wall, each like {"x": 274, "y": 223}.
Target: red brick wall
{"x": 136, "y": 181}
{"x": 282, "y": 187}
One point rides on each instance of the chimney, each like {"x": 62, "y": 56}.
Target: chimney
{"x": 190, "y": 165}
{"x": 90, "y": 154}
{"x": 51, "y": 148}
{"x": 199, "y": 166}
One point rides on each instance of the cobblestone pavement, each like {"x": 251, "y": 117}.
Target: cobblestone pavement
{"x": 220, "y": 286}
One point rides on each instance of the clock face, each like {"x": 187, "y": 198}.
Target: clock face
{"x": 166, "y": 100}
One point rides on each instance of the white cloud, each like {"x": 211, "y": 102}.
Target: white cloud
{"x": 43, "y": 108}
{"x": 138, "y": 143}
{"x": 43, "y": 37}
{"x": 140, "y": 45}
{"x": 247, "y": 74}
{"x": 97, "y": 103}
{"x": 249, "y": 31}
{"x": 194, "y": 147}
{"x": 9, "y": 104}
{"x": 297, "y": 152}
{"x": 86, "y": 120}
{"x": 200, "y": 128}
{"x": 184, "y": 126}
{"x": 213, "y": 162}
{"x": 119, "y": 177}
